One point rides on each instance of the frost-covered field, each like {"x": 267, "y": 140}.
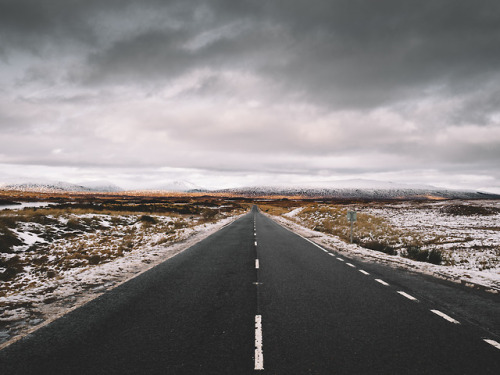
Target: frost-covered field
{"x": 467, "y": 233}
{"x": 54, "y": 259}
{"x": 457, "y": 239}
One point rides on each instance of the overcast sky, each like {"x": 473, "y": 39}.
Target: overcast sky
{"x": 230, "y": 93}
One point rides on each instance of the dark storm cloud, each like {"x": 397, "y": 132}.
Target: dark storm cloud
{"x": 370, "y": 52}
{"x": 343, "y": 52}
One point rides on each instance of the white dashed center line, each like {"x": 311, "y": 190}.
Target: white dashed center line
{"x": 351, "y": 265}
{"x": 364, "y": 272}
{"x": 444, "y": 316}
{"x": 259, "y": 355}
{"x": 407, "y": 296}
{"x": 255, "y": 243}
{"x": 381, "y": 282}
{"x": 493, "y": 343}
{"x": 256, "y": 263}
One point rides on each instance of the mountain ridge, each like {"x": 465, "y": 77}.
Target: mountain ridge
{"x": 346, "y": 189}
{"x": 58, "y": 187}
{"x": 376, "y": 193}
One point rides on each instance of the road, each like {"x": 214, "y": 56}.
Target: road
{"x": 257, "y": 298}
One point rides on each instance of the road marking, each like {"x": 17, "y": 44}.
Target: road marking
{"x": 259, "y": 355}
{"x": 493, "y": 343}
{"x": 256, "y": 263}
{"x": 444, "y": 316}
{"x": 364, "y": 272}
{"x": 381, "y": 282}
{"x": 407, "y": 296}
{"x": 340, "y": 259}
{"x": 308, "y": 240}
{"x": 351, "y": 265}
{"x": 331, "y": 254}
{"x": 255, "y": 243}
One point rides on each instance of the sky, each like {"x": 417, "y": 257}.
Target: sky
{"x": 229, "y": 93}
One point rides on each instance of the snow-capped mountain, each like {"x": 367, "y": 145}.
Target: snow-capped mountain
{"x": 361, "y": 189}
{"x": 59, "y": 186}
{"x": 102, "y": 186}
{"x": 180, "y": 186}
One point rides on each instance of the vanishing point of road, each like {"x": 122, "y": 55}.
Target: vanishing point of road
{"x": 255, "y": 298}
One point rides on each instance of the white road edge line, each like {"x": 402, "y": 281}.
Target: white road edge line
{"x": 493, "y": 343}
{"x": 410, "y": 297}
{"x": 256, "y": 263}
{"x": 312, "y": 242}
{"x": 444, "y": 316}
{"x": 381, "y": 282}
{"x": 351, "y": 265}
{"x": 364, "y": 272}
{"x": 331, "y": 254}
{"x": 259, "y": 355}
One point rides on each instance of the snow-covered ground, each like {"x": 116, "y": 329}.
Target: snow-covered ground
{"x": 22, "y": 205}
{"x": 469, "y": 241}
{"x": 466, "y": 232}
{"x": 66, "y": 260}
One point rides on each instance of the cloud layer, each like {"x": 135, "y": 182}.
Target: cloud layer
{"x": 239, "y": 92}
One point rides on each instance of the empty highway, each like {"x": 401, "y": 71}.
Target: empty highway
{"x": 255, "y": 298}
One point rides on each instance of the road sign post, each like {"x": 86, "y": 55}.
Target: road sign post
{"x": 351, "y": 216}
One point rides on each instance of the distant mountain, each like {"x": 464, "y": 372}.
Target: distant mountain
{"x": 348, "y": 189}
{"x": 180, "y": 186}
{"x": 58, "y": 187}
{"x": 361, "y": 189}
{"x": 102, "y": 186}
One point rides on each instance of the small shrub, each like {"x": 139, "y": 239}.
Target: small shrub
{"x": 435, "y": 256}
{"x": 179, "y": 224}
{"x": 416, "y": 253}
{"x": 74, "y": 224}
{"x": 208, "y": 214}
{"x": 94, "y": 259}
{"x": 8, "y": 240}
{"x": 51, "y": 274}
{"x": 8, "y": 221}
{"x": 378, "y": 246}
{"x": 12, "y": 267}
{"x": 146, "y": 219}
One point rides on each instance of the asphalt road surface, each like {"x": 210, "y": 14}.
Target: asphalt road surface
{"x": 257, "y": 298}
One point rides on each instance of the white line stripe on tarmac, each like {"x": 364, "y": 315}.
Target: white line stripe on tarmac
{"x": 407, "y": 296}
{"x": 381, "y": 282}
{"x": 340, "y": 259}
{"x": 444, "y": 316}
{"x": 351, "y": 265}
{"x": 256, "y": 263}
{"x": 493, "y": 343}
{"x": 259, "y": 354}
{"x": 364, "y": 272}
{"x": 255, "y": 243}
{"x": 312, "y": 242}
